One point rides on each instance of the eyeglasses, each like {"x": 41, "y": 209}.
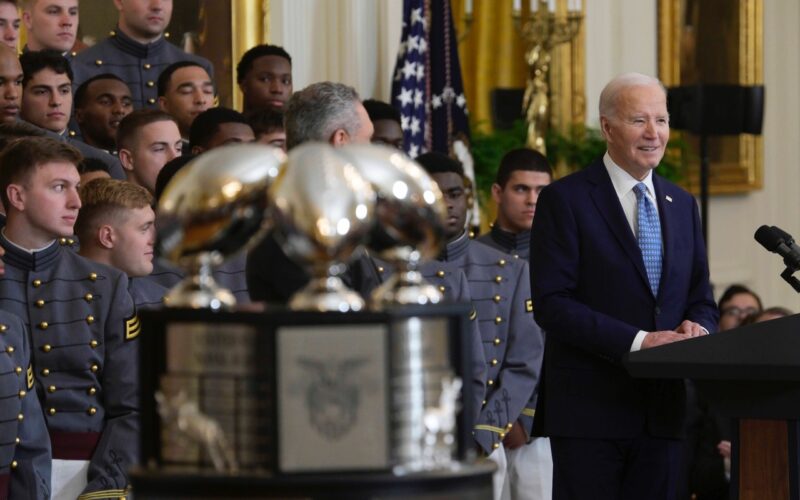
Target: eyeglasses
{"x": 740, "y": 313}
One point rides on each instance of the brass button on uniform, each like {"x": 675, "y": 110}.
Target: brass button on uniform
{"x": 151, "y": 83}
{"x": 14, "y": 464}
{"x": 3, "y": 328}
{"x": 43, "y": 325}
{"x": 88, "y": 297}
{"x": 62, "y": 241}
{"x": 10, "y": 349}
{"x": 37, "y": 283}
{"x": 490, "y": 382}
{"x": 91, "y": 391}
{"x": 22, "y": 394}
{"x": 90, "y": 319}
{"x": 381, "y": 269}
{"x": 94, "y": 368}
{"x": 39, "y": 303}
{"x": 70, "y": 241}
{"x": 440, "y": 273}
{"x": 18, "y": 370}
{"x": 151, "y": 101}
{"x": 483, "y": 403}
{"x": 47, "y": 347}
{"x": 51, "y": 389}
{"x": 442, "y": 288}
{"x": 51, "y": 411}
{"x": 496, "y": 445}
{"x": 509, "y": 425}
{"x": 501, "y": 262}
{"x": 71, "y": 134}
{"x": 498, "y": 320}
{"x": 92, "y": 276}
{"x": 73, "y": 53}
{"x": 147, "y": 66}
{"x": 98, "y": 62}
{"x": 45, "y": 372}
{"x": 20, "y": 417}
{"x": 498, "y": 279}
{"x": 502, "y": 435}
{"x": 17, "y": 441}
{"x": 93, "y": 344}
{"x": 92, "y": 410}
{"x": 112, "y": 33}
{"x": 494, "y": 362}
{"x": 497, "y": 341}
{"x": 496, "y": 298}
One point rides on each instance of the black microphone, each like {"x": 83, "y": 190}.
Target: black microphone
{"x": 778, "y": 241}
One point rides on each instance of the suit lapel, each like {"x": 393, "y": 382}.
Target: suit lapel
{"x": 607, "y": 203}
{"x": 666, "y": 216}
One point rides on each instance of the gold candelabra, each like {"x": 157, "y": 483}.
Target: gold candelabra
{"x": 542, "y": 30}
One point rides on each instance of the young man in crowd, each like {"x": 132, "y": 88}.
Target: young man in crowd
{"x": 47, "y": 102}
{"x": 513, "y": 343}
{"x": 217, "y": 127}
{"x": 522, "y": 175}
{"x": 116, "y": 227}
{"x": 84, "y": 327}
{"x": 185, "y": 90}
{"x": 264, "y": 75}
{"x": 10, "y": 85}
{"x": 9, "y": 23}
{"x": 268, "y": 128}
{"x": 101, "y": 102}
{"x": 137, "y": 50}
{"x": 386, "y": 121}
{"x": 51, "y": 25}
{"x": 147, "y": 140}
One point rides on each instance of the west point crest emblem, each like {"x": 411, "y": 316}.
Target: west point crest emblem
{"x": 332, "y": 395}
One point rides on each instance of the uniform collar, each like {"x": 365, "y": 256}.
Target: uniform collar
{"x": 456, "y": 248}
{"x": 511, "y": 241}
{"x": 134, "y": 48}
{"x": 35, "y": 260}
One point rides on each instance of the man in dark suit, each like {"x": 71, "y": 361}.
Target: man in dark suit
{"x": 618, "y": 264}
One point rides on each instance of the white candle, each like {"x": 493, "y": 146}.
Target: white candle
{"x": 517, "y": 6}
{"x": 578, "y": 5}
{"x": 468, "y": 7}
{"x": 551, "y": 5}
{"x": 532, "y": 6}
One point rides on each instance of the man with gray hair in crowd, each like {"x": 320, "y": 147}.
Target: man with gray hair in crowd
{"x": 328, "y": 112}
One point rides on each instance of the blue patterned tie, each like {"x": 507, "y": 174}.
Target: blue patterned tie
{"x": 648, "y": 233}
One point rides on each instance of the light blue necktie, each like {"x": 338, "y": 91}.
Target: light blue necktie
{"x": 648, "y": 233}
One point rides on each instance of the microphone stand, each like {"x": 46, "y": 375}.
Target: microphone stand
{"x": 787, "y": 276}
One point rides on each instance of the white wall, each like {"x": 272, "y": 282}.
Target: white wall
{"x": 355, "y": 41}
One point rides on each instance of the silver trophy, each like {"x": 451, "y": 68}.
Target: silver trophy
{"x": 211, "y": 209}
{"x": 323, "y": 209}
{"x": 409, "y": 215}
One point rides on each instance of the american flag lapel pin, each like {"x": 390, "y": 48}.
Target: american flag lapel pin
{"x": 669, "y": 198}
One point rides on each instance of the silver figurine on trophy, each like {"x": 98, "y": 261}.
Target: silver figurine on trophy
{"x": 211, "y": 209}
{"x": 409, "y": 227}
{"x": 322, "y": 210}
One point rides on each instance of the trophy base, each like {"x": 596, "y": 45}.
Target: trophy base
{"x": 190, "y": 294}
{"x": 405, "y": 288}
{"x": 327, "y": 294}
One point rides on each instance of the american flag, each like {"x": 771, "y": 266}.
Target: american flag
{"x": 427, "y": 87}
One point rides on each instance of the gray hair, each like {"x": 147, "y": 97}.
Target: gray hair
{"x": 610, "y": 95}
{"x": 317, "y": 111}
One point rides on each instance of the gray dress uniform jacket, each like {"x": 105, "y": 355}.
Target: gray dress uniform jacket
{"x": 135, "y": 63}
{"x": 84, "y": 347}
{"x": 513, "y": 344}
{"x": 24, "y": 443}
{"x": 517, "y": 245}
{"x": 146, "y": 294}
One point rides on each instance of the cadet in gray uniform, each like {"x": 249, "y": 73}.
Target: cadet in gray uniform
{"x": 522, "y": 174}
{"x": 24, "y": 443}
{"x": 83, "y": 325}
{"x": 137, "y": 51}
{"x": 512, "y": 342}
{"x": 116, "y": 227}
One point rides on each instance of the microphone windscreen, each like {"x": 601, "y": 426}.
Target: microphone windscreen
{"x": 768, "y": 238}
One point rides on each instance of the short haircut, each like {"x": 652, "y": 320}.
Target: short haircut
{"x": 379, "y": 110}
{"x": 249, "y": 57}
{"x": 80, "y": 94}
{"x": 168, "y": 172}
{"x": 92, "y": 165}
{"x": 317, "y": 111}
{"x": 438, "y": 163}
{"x": 737, "y": 289}
{"x": 207, "y": 123}
{"x": 130, "y": 125}
{"x": 21, "y": 157}
{"x": 35, "y": 61}
{"x": 166, "y": 74}
{"x": 107, "y": 201}
{"x": 610, "y": 94}
{"x": 265, "y": 120}
{"x": 525, "y": 159}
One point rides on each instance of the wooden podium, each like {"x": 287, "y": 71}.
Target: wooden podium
{"x": 751, "y": 374}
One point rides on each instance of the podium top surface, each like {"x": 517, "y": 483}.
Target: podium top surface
{"x": 768, "y": 351}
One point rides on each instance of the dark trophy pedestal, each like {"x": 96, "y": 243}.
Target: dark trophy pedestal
{"x": 750, "y": 374}
{"x": 308, "y": 405}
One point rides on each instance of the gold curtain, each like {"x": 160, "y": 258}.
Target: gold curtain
{"x": 492, "y": 55}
